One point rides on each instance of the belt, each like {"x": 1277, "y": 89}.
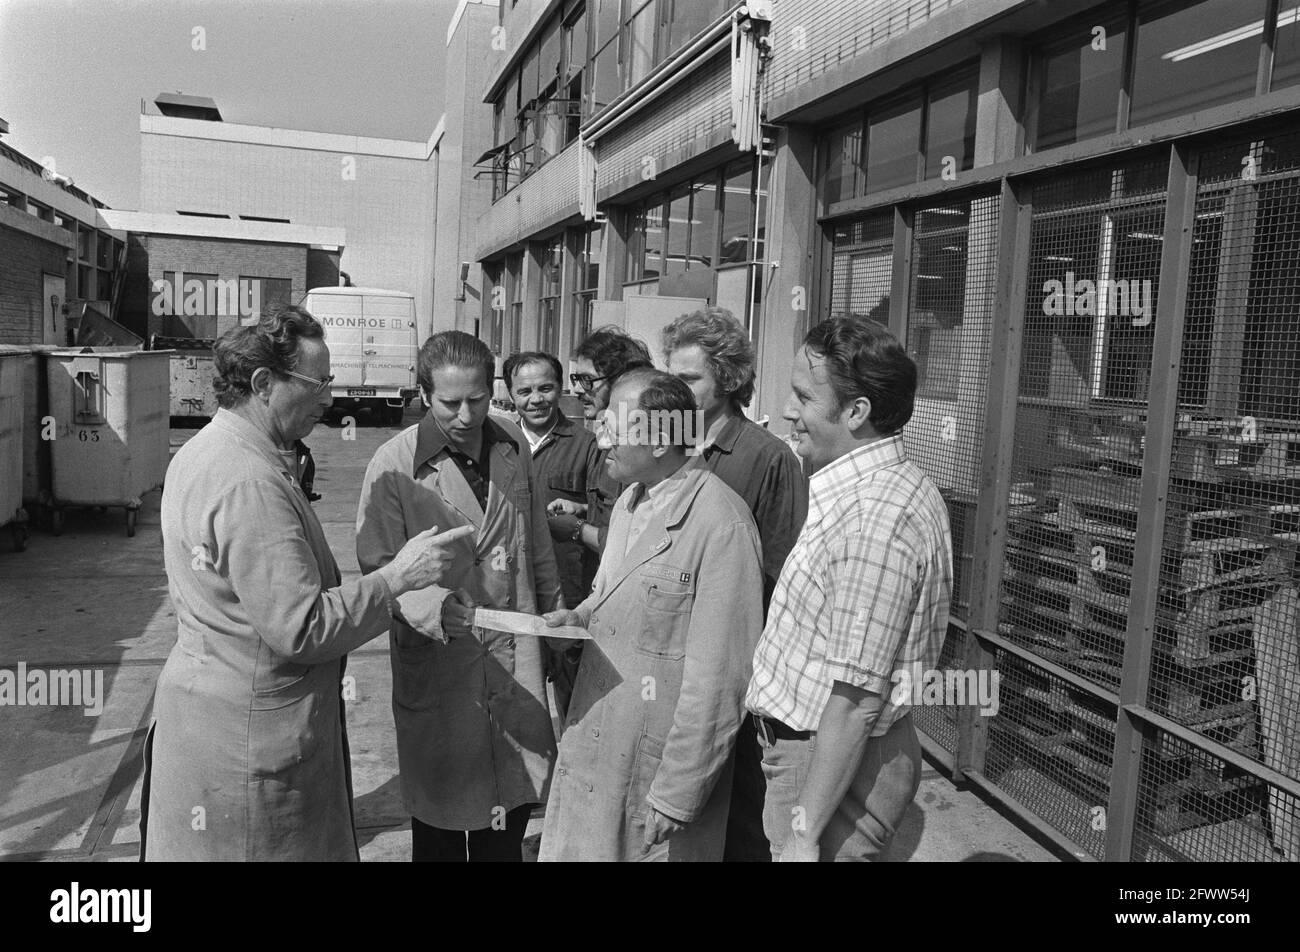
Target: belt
{"x": 770, "y": 729}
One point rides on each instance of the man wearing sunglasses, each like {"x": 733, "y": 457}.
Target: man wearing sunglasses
{"x": 597, "y": 364}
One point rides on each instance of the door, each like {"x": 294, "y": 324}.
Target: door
{"x": 389, "y": 340}
{"x": 53, "y": 324}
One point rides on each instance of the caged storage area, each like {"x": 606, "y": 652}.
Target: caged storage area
{"x": 1109, "y": 397}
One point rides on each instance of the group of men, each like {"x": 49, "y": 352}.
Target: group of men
{"x": 746, "y": 619}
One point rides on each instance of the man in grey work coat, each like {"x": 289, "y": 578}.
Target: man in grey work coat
{"x": 644, "y": 771}
{"x": 474, "y": 740}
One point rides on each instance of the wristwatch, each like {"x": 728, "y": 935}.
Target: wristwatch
{"x": 577, "y": 532}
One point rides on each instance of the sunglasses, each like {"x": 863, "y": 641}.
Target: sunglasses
{"x": 586, "y": 381}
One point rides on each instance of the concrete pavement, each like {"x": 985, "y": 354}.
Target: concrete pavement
{"x": 95, "y": 601}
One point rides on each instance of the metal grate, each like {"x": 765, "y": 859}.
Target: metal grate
{"x": 1227, "y": 660}
{"x": 1094, "y": 263}
{"x": 950, "y": 314}
{"x": 940, "y": 720}
{"x": 862, "y": 256}
{"x": 1193, "y": 806}
{"x": 1050, "y": 747}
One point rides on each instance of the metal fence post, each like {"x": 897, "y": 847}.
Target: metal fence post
{"x": 1162, "y": 414}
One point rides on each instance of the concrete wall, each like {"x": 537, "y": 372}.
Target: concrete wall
{"x": 380, "y": 191}
{"x": 26, "y": 258}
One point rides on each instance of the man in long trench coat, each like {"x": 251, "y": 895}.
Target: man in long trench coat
{"x": 475, "y": 745}
{"x": 677, "y": 608}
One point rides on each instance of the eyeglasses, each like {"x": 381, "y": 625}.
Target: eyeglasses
{"x": 586, "y": 381}
{"x": 320, "y": 382}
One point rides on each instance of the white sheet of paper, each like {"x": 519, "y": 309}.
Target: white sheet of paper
{"x": 521, "y": 623}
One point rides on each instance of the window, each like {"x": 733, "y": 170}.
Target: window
{"x": 1080, "y": 82}
{"x": 515, "y": 321}
{"x": 551, "y": 258}
{"x": 682, "y": 20}
{"x": 85, "y": 240}
{"x": 494, "y": 303}
{"x": 893, "y": 143}
{"x": 843, "y": 177}
{"x": 103, "y": 247}
{"x": 704, "y": 223}
{"x": 1171, "y": 58}
{"x": 928, "y": 132}
{"x": 1094, "y": 267}
{"x": 862, "y": 260}
{"x": 1286, "y": 45}
{"x": 678, "y": 243}
{"x": 1192, "y": 56}
{"x": 737, "y": 212}
{"x": 539, "y": 109}
{"x": 645, "y": 245}
{"x": 589, "y": 252}
{"x": 950, "y": 126}
{"x": 269, "y": 291}
{"x": 640, "y": 58}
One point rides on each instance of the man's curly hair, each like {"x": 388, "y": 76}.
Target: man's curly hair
{"x": 272, "y": 342}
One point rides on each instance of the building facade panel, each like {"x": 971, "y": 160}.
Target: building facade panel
{"x": 384, "y": 202}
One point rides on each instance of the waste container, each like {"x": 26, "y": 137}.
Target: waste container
{"x": 12, "y": 513}
{"x": 36, "y": 433}
{"x": 192, "y": 368}
{"x": 110, "y": 411}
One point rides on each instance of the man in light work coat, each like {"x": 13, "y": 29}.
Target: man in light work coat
{"x": 474, "y": 740}
{"x": 644, "y": 770}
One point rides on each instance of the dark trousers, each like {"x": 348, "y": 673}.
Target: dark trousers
{"x": 746, "y": 841}
{"x": 431, "y": 844}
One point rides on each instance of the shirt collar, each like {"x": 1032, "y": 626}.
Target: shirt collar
{"x": 832, "y": 481}
{"x": 430, "y": 440}
{"x": 729, "y": 434}
{"x": 672, "y": 497}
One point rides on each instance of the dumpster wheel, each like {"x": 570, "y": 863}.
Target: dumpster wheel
{"x": 130, "y": 523}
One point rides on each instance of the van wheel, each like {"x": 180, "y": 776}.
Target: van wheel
{"x": 394, "y": 415}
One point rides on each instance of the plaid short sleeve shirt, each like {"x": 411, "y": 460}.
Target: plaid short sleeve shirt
{"x": 864, "y": 592}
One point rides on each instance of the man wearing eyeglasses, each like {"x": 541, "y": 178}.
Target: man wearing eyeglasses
{"x": 597, "y": 364}
{"x": 475, "y": 745}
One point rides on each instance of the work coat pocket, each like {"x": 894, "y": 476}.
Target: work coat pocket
{"x": 667, "y": 598}
{"x": 284, "y": 737}
{"x": 649, "y": 755}
{"x": 414, "y": 681}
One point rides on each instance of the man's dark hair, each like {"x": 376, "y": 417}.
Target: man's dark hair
{"x": 515, "y": 361}
{"x": 666, "y": 400}
{"x": 272, "y": 342}
{"x": 454, "y": 349}
{"x": 613, "y": 353}
{"x": 864, "y": 359}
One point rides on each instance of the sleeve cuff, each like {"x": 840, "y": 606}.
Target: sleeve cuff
{"x": 681, "y": 816}
{"x": 860, "y": 678}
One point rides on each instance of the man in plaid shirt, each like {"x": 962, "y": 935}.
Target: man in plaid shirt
{"x": 863, "y": 596}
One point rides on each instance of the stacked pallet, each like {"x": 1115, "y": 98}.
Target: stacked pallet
{"x": 1230, "y": 535}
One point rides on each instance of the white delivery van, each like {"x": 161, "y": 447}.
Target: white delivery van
{"x": 372, "y": 339}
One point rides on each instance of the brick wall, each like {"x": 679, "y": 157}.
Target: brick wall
{"x": 155, "y": 254}
{"x": 23, "y": 260}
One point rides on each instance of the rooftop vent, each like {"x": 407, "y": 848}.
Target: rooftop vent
{"x": 179, "y": 106}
